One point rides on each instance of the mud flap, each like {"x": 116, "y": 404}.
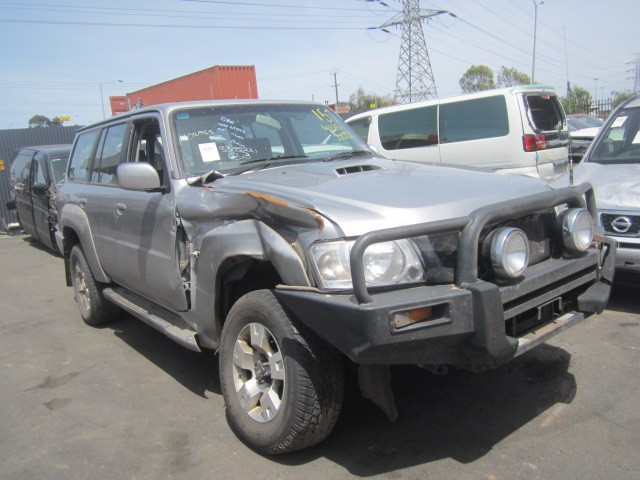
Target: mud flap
{"x": 375, "y": 385}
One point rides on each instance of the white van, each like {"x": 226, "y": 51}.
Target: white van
{"x": 519, "y": 129}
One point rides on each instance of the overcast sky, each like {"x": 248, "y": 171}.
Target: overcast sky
{"x": 55, "y": 54}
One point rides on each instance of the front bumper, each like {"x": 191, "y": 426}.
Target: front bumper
{"x": 628, "y": 254}
{"x": 468, "y": 326}
{"x": 474, "y": 324}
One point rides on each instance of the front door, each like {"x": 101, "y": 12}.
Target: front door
{"x": 144, "y": 227}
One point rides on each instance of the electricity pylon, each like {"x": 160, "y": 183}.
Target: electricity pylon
{"x": 414, "y": 80}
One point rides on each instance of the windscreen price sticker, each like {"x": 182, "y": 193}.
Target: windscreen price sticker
{"x": 330, "y": 126}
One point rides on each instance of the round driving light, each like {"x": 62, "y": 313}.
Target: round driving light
{"x": 577, "y": 230}
{"x": 509, "y": 252}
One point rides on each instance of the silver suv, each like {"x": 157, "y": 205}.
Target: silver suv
{"x": 271, "y": 233}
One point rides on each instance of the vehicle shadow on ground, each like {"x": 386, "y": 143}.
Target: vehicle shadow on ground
{"x": 198, "y": 372}
{"x": 33, "y": 243}
{"x": 461, "y": 415}
{"x": 624, "y": 298}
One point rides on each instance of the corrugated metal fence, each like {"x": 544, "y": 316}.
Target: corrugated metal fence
{"x": 10, "y": 141}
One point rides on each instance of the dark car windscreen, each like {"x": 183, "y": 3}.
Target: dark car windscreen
{"x": 620, "y": 141}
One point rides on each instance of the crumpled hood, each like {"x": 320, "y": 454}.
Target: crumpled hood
{"x": 616, "y": 186}
{"x": 373, "y": 193}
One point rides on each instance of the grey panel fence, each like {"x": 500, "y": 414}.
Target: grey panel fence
{"x": 14, "y": 139}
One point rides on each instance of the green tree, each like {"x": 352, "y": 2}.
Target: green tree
{"x": 43, "y": 121}
{"x": 55, "y": 122}
{"x": 578, "y": 101}
{"x": 361, "y": 101}
{"x": 477, "y": 78}
{"x": 620, "y": 96}
{"x": 39, "y": 121}
{"x": 510, "y": 77}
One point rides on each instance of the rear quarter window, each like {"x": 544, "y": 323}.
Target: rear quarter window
{"x": 415, "y": 127}
{"x": 474, "y": 119}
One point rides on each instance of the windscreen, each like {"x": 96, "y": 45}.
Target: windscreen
{"x": 620, "y": 142}
{"x": 229, "y": 138}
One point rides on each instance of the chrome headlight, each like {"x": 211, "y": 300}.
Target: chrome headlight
{"x": 509, "y": 252}
{"x": 576, "y": 227}
{"x": 388, "y": 263}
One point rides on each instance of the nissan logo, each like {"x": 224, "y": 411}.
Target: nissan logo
{"x": 621, "y": 224}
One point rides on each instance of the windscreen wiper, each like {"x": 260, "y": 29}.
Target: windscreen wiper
{"x": 354, "y": 153}
{"x": 267, "y": 162}
{"x": 276, "y": 157}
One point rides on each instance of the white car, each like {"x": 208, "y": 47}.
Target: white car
{"x": 612, "y": 166}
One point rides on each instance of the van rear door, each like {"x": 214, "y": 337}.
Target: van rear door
{"x": 545, "y": 133}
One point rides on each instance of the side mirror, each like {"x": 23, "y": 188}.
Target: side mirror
{"x": 40, "y": 188}
{"x": 138, "y": 176}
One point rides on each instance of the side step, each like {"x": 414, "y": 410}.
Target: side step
{"x": 166, "y": 322}
{"x": 542, "y": 334}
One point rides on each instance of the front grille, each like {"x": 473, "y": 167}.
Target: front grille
{"x": 620, "y": 224}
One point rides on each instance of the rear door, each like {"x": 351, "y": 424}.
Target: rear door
{"x": 41, "y": 199}
{"x": 20, "y": 179}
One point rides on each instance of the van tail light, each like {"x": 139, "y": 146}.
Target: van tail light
{"x": 533, "y": 143}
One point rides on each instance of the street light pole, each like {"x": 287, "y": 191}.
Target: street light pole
{"x": 535, "y": 28}
{"x": 102, "y": 97}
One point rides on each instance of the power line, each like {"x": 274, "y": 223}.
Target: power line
{"x": 147, "y": 25}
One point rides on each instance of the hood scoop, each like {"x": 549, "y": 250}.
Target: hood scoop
{"x": 330, "y": 171}
{"x": 352, "y": 169}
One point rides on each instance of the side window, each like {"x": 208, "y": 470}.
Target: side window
{"x": 361, "y": 127}
{"x": 20, "y": 172}
{"x": 416, "y": 127}
{"x": 81, "y": 156}
{"x": 148, "y": 145}
{"x": 38, "y": 173}
{"x": 474, "y": 119}
{"x": 108, "y": 155}
{"x": 59, "y": 168}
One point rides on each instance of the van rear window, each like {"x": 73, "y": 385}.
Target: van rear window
{"x": 416, "y": 127}
{"x": 544, "y": 112}
{"x": 474, "y": 119}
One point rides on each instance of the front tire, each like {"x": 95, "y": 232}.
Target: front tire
{"x": 282, "y": 385}
{"x": 94, "y": 308}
